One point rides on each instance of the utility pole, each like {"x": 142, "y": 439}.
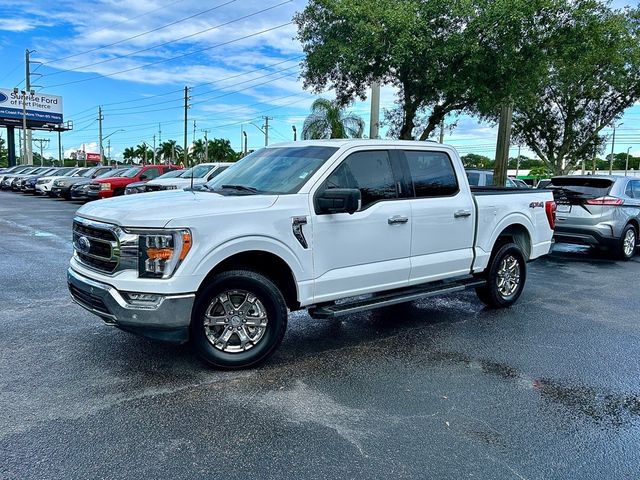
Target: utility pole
{"x": 295, "y": 133}
{"x": 613, "y": 144}
{"x": 60, "y": 149}
{"x": 154, "y": 149}
{"x": 502, "y": 145}
{"x": 518, "y": 162}
{"x": 626, "y": 165}
{"x": 41, "y": 141}
{"x": 100, "y": 118}
{"x": 27, "y": 86}
{"x": 27, "y": 159}
{"x": 206, "y": 145}
{"x": 266, "y": 130}
{"x": 186, "y": 121}
{"x": 144, "y": 153}
{"x": 442, "y": 131}
{"x": 374, "y": 119}
{"x": 108, "y": 151}
{"x": 20, "y": 145}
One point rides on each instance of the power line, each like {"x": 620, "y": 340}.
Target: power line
{"x": 164, "y": 94}
{"x": 111, "y": 28}
{"x": 172, "y": 58}
{"x": 146, "y": 33}
{"x": 216, "y": 90}
{"x": 207, "y": 100}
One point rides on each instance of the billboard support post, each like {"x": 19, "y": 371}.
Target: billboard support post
{"x": 11, "y": 145}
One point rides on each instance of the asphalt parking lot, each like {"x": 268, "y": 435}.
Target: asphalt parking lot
{"x": 441, "y": 388}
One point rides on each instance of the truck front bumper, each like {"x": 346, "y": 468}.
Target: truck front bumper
{"x": 166, "y": 317}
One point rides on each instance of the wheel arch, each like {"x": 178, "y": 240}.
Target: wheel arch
{"x": 516, "y": 233}
{"x": 272, "y": 266}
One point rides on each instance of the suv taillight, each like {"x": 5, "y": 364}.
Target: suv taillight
{"x": 550, "y": 210}
{"x": 606, "y": 200}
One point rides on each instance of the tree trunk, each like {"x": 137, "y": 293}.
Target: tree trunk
{"x": 502, "y": 146}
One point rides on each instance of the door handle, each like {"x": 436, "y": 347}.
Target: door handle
{"x": 462, "y": 214}
{"x": 397, "y": 219}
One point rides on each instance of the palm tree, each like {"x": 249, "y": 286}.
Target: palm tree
{"x": 328, "y": 120}
{"x": 169, "y": 151}
{"x": 129, "y": 154}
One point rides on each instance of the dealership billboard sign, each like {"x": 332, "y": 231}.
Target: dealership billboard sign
{"x": 40, "y": 109}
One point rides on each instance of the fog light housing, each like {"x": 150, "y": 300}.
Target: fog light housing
{"x": 149, "y": 300}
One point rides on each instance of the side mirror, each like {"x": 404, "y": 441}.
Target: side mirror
{"x": 338, "y": 200}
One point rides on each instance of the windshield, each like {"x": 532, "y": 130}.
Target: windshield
{"x": 272, "y": 170}
{"x": 113, "y": 173}
{"x": 132, "y": 172}
{"x": 172, "y": 174}
{"x": 199, "y": 171}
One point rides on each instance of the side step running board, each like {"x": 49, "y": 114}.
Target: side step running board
{"x": 393, "y": 298}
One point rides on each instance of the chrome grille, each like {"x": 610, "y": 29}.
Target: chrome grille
{"x": 99, "y": 246}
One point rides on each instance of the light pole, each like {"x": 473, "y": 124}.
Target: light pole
{"x": 103, "y": 139}
{"x": 613, "y": 143}
{"x": 626, "y": 164}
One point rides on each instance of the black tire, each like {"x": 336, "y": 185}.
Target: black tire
{"x": 490, "y": 294}
{"x": 271, "y": 299}
{"x": 620, "y": 251}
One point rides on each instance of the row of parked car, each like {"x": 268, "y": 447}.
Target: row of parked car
{"x": 596, "y": 210}
{"x": 77, "y": 183}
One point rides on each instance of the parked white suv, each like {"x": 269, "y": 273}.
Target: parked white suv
{"x": 302, "y": 225}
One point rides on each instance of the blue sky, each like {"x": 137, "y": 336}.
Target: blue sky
{"x": 239, "y": 57}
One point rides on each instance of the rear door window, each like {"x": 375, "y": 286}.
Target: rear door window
{"x": 432, "y": 173}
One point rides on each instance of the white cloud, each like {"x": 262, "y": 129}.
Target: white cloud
{"x": 16, "y": 25}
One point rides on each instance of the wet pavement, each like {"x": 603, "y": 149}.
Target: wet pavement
{"x": 440, "y": 388}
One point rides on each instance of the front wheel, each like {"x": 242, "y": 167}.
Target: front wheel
{"x": 239, "y": 320}
{"x": 506, "y": 275}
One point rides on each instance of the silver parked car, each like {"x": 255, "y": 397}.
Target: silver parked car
{"x": 597, "y": 210}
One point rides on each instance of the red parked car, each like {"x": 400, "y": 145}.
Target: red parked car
{"x": 114, "y": 186}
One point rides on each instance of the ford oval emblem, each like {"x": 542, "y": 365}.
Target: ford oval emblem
{"x": 83, "y": 245}
{"x": 3, "y": 97}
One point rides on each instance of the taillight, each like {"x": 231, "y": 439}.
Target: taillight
{"x": 550, "y": 210}
{"x": 604, "y": 201}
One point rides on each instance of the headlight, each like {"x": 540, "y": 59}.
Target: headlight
{"x": 105, "y": 186}
{"x": 161, "y": 252}
{"x": 60, "y": 183}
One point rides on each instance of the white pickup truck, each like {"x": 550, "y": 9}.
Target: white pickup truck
{"x": 335, "y": 227}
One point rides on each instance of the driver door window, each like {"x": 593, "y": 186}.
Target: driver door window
{"x": 370, "y": 172}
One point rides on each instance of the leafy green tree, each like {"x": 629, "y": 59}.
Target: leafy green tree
{"x": 328, "y": 120}
{"x": 473, "y": 160}
{"x": 442, "y": 56}
{"x": 594, "y": 75}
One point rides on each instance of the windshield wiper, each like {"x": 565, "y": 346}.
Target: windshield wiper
{"x": 242, "y": 188}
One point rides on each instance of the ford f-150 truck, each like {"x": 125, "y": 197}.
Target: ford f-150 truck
{"x": 334, "y": 227}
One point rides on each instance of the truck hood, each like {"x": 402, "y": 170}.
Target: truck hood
{"x": 157, "y": 209}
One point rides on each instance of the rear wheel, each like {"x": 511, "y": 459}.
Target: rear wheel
{"x": 628, "y": 242}
{"x": 239, "y": 320}
{"x": 506, "y": 275}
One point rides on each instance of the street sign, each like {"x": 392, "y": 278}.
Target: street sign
{"x": 39, "y": 109}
